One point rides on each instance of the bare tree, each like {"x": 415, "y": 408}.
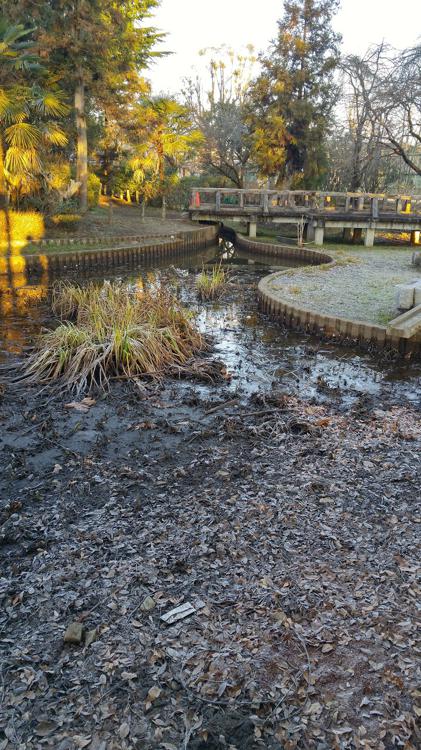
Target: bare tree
{"x": 394, "y": 104}
{"x": 217, "y": 101}
{"x": 376, "y": 143}
{"x": 361, "y": 77}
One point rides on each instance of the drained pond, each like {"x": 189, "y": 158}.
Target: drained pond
{"x": 259, "y": 354}
{"x": 198, "y": 564}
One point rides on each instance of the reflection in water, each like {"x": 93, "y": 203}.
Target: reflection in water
{"x": 19, "y": 299}
{"x": 257, "y": 352}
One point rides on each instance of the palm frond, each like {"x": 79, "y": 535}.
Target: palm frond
{"x": 50, "y": 104}
{"x": 53, "y": 134}
{"x": 19, "y": 161}
{"x": 23, "y": 135}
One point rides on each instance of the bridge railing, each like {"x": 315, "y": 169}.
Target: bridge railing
{"x": 302, "y": 201}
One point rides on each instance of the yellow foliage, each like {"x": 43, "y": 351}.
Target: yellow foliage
{"x": 23, "y": 227}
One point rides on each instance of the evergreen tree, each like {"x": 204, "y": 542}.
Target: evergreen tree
{"x": 292, "y": 100}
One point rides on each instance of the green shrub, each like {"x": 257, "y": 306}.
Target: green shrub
{"x": 68, "y": 222}
{"x": 94, "y": 190}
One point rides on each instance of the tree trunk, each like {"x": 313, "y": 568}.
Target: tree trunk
{"x": 4, "y": 201}
{"x": 82, "y": 144}
{"x": 164, "y": 207}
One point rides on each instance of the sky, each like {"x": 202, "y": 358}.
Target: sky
{"x": 195, "y": 24}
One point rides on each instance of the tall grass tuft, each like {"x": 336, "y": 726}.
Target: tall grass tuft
{"x": 211, "y": 284}
{"x": 110, "y": 331}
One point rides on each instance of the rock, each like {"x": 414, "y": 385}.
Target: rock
{"x": 148, "y": 604}
{"x": 90, "y": 636}
{"x": 73, "y": 633}
{"x": 404, "y": 295}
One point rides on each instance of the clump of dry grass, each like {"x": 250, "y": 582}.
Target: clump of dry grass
{"x": 113, "y": 332}
{"x": 211, "y": 284}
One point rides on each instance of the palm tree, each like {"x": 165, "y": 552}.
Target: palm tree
{"x": 28, "y": 113}
{"x": 166, "y": 136}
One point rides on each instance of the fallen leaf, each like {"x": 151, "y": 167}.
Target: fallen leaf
{"x": 124, "y": 730}
{"x": 82, "y": 406}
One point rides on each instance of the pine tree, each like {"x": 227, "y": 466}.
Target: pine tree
{"x": 294, "y": 96}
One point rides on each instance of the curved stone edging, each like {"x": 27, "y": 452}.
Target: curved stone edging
{"x": 308, "y": 319}
{"x": 174, "y": 245}
{"x": 313, "y": 257}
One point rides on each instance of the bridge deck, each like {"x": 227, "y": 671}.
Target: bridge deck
{"x": 296, "y": 213}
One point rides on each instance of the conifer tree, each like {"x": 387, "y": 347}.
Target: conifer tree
{"x": 292, "y": 100}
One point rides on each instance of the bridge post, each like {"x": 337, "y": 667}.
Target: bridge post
{"x": 374, "y": 208}
{"x": 241, "y": 199}
{"x": 310, "y": 233}
{"x": 415, "y": 237}
{"x": 218, "y": 200}
{"x": 252, "y": 228}
{"x": 319, "y": 235}
{"x": 265, "y": 203}
{"x": 369, "y": 237}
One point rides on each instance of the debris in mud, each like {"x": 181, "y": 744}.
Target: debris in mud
{"x": 289, "y": 540}
{"x": 82, "y": 406}
{"x": 148, "y": 604}
{"x": 178, "y": 613}
{"x": 206, "y": 370}
{"x": 74, "y": 633}
{"x": 289, "y": 522}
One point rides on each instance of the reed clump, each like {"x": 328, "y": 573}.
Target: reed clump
{"x": 111, "y": 331}
{"x": 211, "y": 284}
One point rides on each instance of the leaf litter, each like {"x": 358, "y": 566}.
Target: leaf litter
{"x": 288, "y": 532}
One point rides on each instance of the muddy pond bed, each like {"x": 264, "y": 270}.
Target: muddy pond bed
{"x": 282, "y": 503}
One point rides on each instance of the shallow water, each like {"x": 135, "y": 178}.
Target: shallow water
{"x": 260, "y": 355}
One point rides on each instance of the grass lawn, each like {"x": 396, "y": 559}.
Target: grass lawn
{"x": 361, "y": 286}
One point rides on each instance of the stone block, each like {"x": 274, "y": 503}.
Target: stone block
{"x": 405, "y": 296}
{"x": 416, "y": 258}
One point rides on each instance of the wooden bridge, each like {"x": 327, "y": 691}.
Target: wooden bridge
{"x": 351, "y": 212}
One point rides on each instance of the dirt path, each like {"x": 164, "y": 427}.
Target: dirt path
{"x": 292, "y": 530}
{"x": 126, "y": 219}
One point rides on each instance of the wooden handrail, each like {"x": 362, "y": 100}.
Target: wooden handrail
{"x": 306, "y": 200}
{"x": 326, "y": 194}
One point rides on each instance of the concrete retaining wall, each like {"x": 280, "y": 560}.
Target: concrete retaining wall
{"x": 311, "y": 321}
